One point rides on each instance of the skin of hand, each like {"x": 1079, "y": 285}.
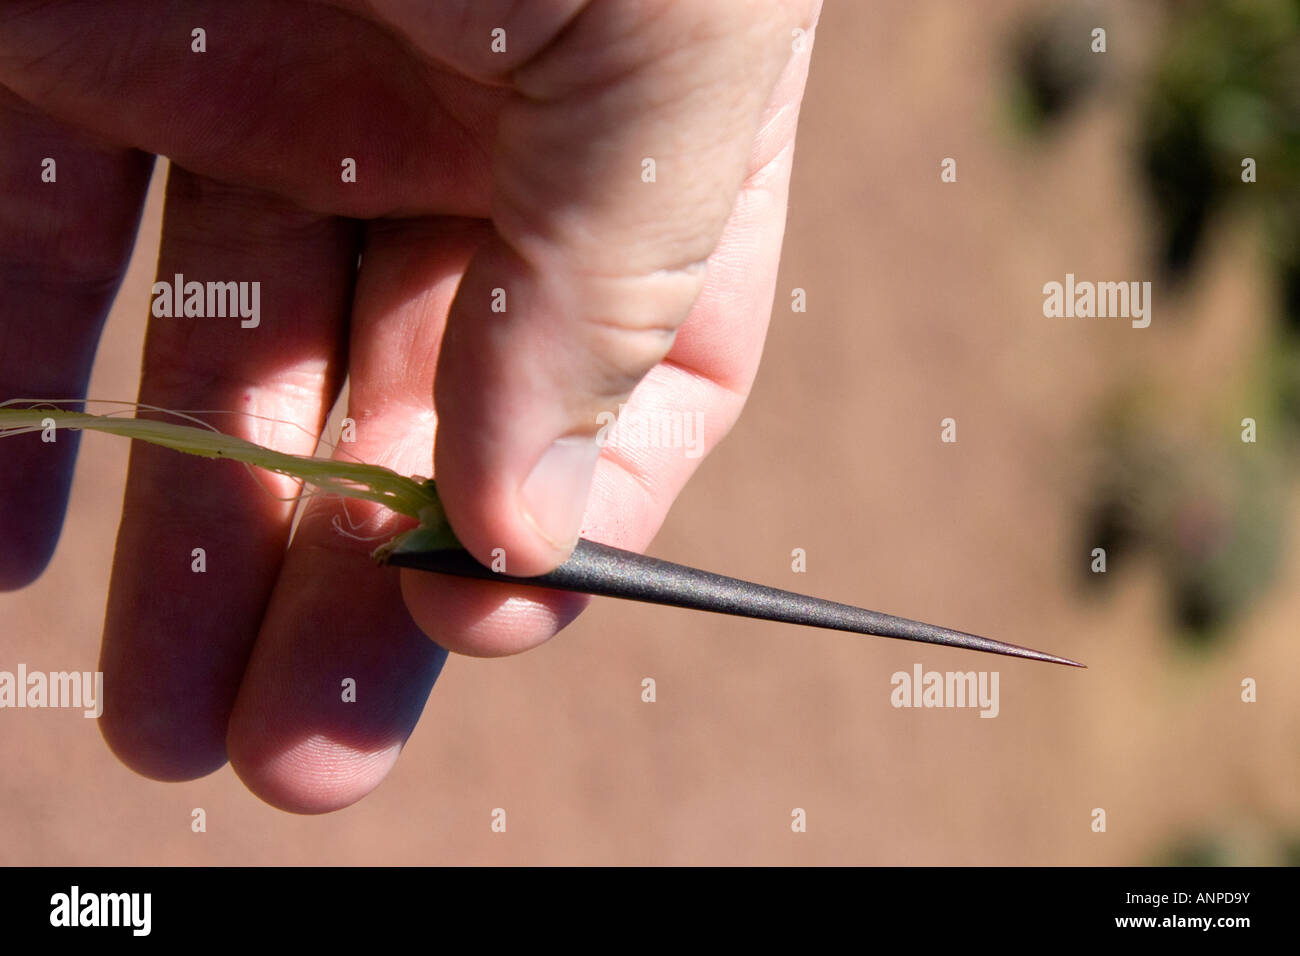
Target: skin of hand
{"x": 477, "y": 170}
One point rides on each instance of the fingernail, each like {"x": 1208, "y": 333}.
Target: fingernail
{"x": 554, "y": 494}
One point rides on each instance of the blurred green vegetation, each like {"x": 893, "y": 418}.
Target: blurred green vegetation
{"x": 1226, "y": 86}
{"x": 1053, "y": 69}
{"x": 1264, "y": 848}
{"x": 1204, "y": 506}
{"x": 1221, "y": 85}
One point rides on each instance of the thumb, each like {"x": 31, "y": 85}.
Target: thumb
{"x": 616, "y": 168}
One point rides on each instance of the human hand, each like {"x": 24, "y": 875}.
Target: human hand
{"x": 476, "y": 170}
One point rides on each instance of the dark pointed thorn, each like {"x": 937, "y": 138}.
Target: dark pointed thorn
{"x": 612, "y": 572}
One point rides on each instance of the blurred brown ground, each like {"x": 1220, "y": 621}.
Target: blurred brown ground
{"x": 924, "y": 302}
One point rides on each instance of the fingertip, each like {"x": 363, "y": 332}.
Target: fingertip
{"x": 485, "y": 618}
{"x": 35, "y": 482}
{"x": 150, "y": 744}
{"x": 24, "y": 557}
{"x": 315, "y": 775}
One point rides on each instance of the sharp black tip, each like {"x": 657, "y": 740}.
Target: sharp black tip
{"x": 886, "y": 625}
{"x": 612, "y": 572}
